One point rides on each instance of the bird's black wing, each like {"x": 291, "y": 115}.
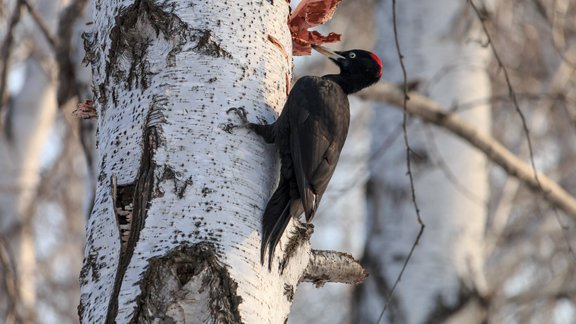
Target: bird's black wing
{"x": 319, "y": 120}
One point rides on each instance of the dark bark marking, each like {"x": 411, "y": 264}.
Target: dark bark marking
{"x": 289, "y": 292}
{"x": 91, "y": 56}
{"x": 91, "y": 264}
{"x": 102, "y": 97}
{"x": 179, "y": 267}
{"x": 130, "y": 41}
{"x": 207, "y": 45}
{"x": 122, "y": 199}
{"x": 206, "y": 191}
{"x": 114, "y": 97}
{"x": 180, "y": 185}
{"x": 142, "y": 194}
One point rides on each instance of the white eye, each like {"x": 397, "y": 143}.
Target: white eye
{"x": 352, "y": 55}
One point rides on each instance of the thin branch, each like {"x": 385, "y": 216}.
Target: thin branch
{"x": 432, "y": 112}
{"x": 502, "y": 213}
{"x": 6, "y": 51}
{"x": 405, "y": 117}
{"x": 41, "y": 24}
{"x": 391, "y": 294}
{"x": 511, "y": 92}
{"x": 68, "y": 84}
{"x": 332, "y": 266}
{"x": 10, "y": 283}
{"x": 405, "y": 99}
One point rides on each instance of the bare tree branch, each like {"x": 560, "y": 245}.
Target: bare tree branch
{"x": 68, "y": 81}
{"x": 4, "y": 60}
{"x": 432, "y": 112}
{"x": 10, "y": 283}
{"x": 41, "y": 24}
{"x": 332, "y": 266}
{"x": 405, "y": 99}
{"x": 482, "y": 16}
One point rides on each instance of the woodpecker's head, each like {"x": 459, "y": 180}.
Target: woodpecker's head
{"x": 358, "y": 68}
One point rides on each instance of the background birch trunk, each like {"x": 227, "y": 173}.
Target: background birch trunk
{"x": 181, "y": 189}
{"x": 444, "y": 281}
{"x": 31, "y": 123}
{"x": 25, "y": 123}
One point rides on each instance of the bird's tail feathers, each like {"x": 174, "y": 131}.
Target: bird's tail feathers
{"x": 275, "y": 220}
{"x": 310, "y": 201}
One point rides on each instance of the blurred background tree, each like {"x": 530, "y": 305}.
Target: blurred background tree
{"x": 44, "y": 177}
{"x": 491, "y": 249}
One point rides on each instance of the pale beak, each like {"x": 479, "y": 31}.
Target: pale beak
{"x": 328, "y": 53}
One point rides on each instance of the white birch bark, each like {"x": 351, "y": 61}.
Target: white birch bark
{"x": 444, "y": 281}
{"x": 165, "y": 75}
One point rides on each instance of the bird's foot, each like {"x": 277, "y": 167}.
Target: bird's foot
{"x": 241, "y": 113}
{"x": 306, "y": 229}
{"x": 301, "y": 234}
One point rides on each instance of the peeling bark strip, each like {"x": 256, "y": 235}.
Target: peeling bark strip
{"x": 140, "y": 194}
{"x": 187, "y": 271}
{"x": 279, "y": 45}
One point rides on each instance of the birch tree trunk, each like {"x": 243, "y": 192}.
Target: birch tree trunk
{"x": 174, "y": 233}
{"x": 444, "y": 281}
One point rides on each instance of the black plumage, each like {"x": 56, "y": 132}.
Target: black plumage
{"x": 309, "y": 135}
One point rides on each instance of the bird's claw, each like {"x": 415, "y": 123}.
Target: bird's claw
{"x": 241, "y": 113}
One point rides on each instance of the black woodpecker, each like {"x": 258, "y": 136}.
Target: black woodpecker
{"x": 309, "y": 135}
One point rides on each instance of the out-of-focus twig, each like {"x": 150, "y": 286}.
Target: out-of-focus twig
{"x": 67, "y": 79}
{"x": 5, "y": 58}
{"x": 8, "y": 271}
{"x": 41, "y": 24}
{"x": 405, "y": 99}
